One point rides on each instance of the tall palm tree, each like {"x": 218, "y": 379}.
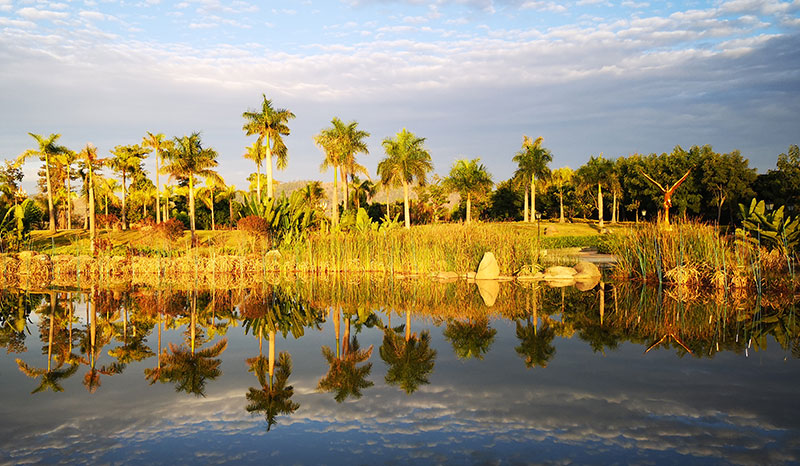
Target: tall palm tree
{"x": 91, "y": 164}
{"x": 406, "y": 160}
{"x": 273, "y": 397}
{"x": 270, "y": 125}
{"x": 469, "y": 178}
{"x": 48, "y": 152}
{"x": 256, "y": 154}
{"x": 595, "y": 172}
{"x": 410, "y": 360}
{"x": 189, "y": 160}
{"x": 532, "y": 161}
{"x": 127, "y": 160}
{"x": 362, "y": 189}
{"x": 206, "y": 194}
{"x": 561, "y": 178}
{"x": 68, "y": 158}
{"x": 230, "y": 192}
{"x": 341, "y": 142}
{"x": 159, "y": 144}
{"x": 106, "y": 188}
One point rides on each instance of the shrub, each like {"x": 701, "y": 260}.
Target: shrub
{"x": 254, "y": 226}
{"x": 172, "y": 229}
{"x": 108, "y": 221}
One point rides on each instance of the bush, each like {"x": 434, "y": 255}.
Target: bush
{"x": 171, "y": 230}
{"x": 254, "y": 226}
{"x": 108, "y": 221}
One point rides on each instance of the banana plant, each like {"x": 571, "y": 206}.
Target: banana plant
{"x": 775, "y": 229}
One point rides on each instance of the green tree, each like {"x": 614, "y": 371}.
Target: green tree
{"x": 158, "y": 144}
{"x": 188, "y": 160}
{"x": 274, "y": 396}
{"x": 341, "y": 143}
{"x": 532, "y": 161}
{"x": 596, "y": 172}
{"x": 91, "y": 164}
{"x": 270, "y": 125}
{"x": 127, "y": 161}
{"x": 727, "y": 178}
{"x": 256, "y": 153}
{"x": 406, "y": 160}
{"x": 50, "y": 153}
{"x": 561, "y": 178}
{"x": 469, "y": 178}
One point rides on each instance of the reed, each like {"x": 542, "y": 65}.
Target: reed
{"x": 694, "y": 254}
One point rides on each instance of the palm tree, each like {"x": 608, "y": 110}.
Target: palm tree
{"x": 188, "y": 160}
{"x": 469, "y": 178}
{"x": 68, "y": 158}
{"x": 270, "y": 125}
{"x": 159, "y": 144}
{"x": 229, "y": 192}
{"x": 256, "y": 154}
{"x": 49, "y": 152}
{"x": 91, "y": 164}
{"x": 127, "y": 159}
{"x": 313, "y": 194}
{"x": 406, "y": 160}
{"x": 341, "y": 142}
{"x": 410, "y": 359}
{"x": 561, "y": 177}
{"x": 206, "y": 194}
{"x": 107, "y": 187}
{"x": 532, "y": 161}
{"x": 596, "y": 171}
{"x": 362, "y": 189}
{"x": 535, "y": 344}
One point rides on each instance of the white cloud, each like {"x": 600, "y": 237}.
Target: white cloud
{"x": 17, "y": 23}
{"x": 36, "y": 14}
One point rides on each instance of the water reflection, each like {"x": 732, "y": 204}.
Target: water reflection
{"x": 618, "y": 368}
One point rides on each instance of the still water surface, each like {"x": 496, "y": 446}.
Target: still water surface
{"x": 379, "y": 372}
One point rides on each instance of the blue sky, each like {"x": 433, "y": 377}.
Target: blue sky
{"x": 471, "y": 76}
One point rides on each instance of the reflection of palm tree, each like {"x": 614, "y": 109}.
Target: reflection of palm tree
{"x": 274, "y": 397}
{"x": 50, "y": 376}
{"x": 344, "y": 376}
{"x": 189, "y": 368}
{"x": 93, "y": 348}
{"x": 470, "y": 339}
{"x": 535, "y": 345}
{"x": 410, "y": 360}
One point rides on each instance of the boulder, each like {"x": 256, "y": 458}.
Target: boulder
{"x": 587, "y": 284}
{"x": 559, "y": 272}
{"x": 587, "y": 269}
{"x": 488, "y": 268}
{"x": 447, "y": 276}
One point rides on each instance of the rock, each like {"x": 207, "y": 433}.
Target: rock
{"x": 447, "y": 276}
{"x": 559, "y": 272}
{"x": 550, "y": 231}
{"x": 470, "y": 275}
{"x": 588, "y": 269}
{"x": 488, "y": 268}
{"x": 560, "y": 282}
{"x": 489, "y": 289}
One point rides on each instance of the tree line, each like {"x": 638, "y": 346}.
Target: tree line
{"x": 627, "y": 188}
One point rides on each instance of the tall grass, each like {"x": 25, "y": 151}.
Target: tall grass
{"x": 692, "y": 253}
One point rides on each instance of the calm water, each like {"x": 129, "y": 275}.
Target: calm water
{"x": 621, "y": 375}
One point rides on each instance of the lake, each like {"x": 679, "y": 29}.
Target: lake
{"x": 365, "y": 370}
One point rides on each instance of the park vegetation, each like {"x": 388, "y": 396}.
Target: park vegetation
{"x": 734, "y": 226}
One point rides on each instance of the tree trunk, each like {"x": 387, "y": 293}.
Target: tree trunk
{"x": 561, "y": 207}
{"x": 271, "y": 355}
{"x": 50, "y": 209}
{"x": 258, "y": 180}
{"x": 388, "y": 214}
{"x": 600, "y": 205}
{"x": 69, "y": 202}
{"x": 191, "y": 209}
{"x": 405, "y": 206}
{"x": 719, "y": 209}
{"x": 526, "y": 205}
{"x": 269, "y": 170}
{"x": 533, "y": 198}
{"x": 614, "y": 209}
{"x": 335, "y": 210}
{"x": 469, "y": 209}
{"x": 211, "y": 192}
{"x": 408, "y": 325}
{"x": 345, "y": 190}
{"x": 158, "y": 191}
{"x": 92, "y": 228}
{"x": 124, "y": 201}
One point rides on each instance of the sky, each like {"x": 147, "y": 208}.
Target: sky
{"x": 470, "y": 76}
